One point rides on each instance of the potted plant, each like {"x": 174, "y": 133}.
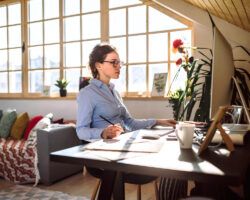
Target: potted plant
{"x": 62, "y": 84}
{"x": 198, "y": 84}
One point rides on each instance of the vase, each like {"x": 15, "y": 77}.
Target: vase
{"x": 63, "y": 92}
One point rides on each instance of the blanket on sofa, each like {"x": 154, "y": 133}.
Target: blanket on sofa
{"x": 18, "y": 161}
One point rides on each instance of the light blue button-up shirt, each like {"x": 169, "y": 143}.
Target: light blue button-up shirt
{"x": 98, "y": 99}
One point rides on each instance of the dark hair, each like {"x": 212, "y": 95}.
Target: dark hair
{"x": 99, "y": 54}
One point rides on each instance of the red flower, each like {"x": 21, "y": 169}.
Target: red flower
{"x": 177, "y": 43}
{"x": 178, "y": 62}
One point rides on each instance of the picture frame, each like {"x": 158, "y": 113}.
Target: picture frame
{"x": 159, "y": 84}
{"x": 216, "y": 124}
{"x": 83, "y": 81}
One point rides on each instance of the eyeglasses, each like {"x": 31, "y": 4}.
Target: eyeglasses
{"x": 115, "y": 63}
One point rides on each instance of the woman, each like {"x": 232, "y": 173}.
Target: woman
{"x": 100, "y": 100}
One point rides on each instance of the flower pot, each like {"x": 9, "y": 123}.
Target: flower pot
{"x": 63, "y": 92}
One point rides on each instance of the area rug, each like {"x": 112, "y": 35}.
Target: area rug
{"x": 26, "y": 193}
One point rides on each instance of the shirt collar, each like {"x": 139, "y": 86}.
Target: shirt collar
{"x": 100, "y": 84}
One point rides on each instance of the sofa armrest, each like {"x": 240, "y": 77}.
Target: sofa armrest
{"x": 54, "y": 139}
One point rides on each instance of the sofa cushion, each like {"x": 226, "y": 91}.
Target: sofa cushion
{"x": 19, "y": 126}
{"x": 43, "y": 123}
{"x": 31, "y": 125}
{"x": 6, "y": 122}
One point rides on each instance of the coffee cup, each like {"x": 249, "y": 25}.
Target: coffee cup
{"x": 185, "y": 133}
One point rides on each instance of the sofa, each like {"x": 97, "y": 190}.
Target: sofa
{"x": 53, "y": 139}
{"x": 28, "y": 160}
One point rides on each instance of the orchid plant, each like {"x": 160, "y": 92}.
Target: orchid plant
{"x": 198, "y": 83}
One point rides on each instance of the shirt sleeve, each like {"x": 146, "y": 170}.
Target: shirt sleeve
{"x": 84, "y": 118}
{"x": 134, "y": 124}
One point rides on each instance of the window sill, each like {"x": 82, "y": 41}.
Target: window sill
{"x": 73, "y": 97}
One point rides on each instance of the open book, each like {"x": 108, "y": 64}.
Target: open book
{"x": 132, "y": 142}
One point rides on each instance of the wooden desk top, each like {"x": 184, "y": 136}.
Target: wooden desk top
{"x": 213, "y": 165}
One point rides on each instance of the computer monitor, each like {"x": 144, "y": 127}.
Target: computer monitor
{"x": 222, "y": 73}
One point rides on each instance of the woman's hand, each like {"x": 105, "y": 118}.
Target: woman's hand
{"x": 112, "y": 131}
{"x": 166, "y": 122}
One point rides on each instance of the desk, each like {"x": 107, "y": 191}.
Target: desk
{"x": 213, "y": 166}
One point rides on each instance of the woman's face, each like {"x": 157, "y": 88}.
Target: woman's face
{"x": 110, "y": 68}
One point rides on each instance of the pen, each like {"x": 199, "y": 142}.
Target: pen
{"x": 106, "y": 120}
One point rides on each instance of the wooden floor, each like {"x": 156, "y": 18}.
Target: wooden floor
{"x": 80, "y": 184}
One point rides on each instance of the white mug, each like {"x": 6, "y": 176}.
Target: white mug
{"x": 185, "y": 133}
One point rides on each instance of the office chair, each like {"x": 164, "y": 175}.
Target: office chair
{"x": 128, "y": 178}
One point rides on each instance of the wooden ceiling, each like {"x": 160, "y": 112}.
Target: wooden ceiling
{"x": 236, "y": 12}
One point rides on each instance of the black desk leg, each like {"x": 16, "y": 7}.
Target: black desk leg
{"x": 107, "y": 185}
{"x": 119, "y": 190}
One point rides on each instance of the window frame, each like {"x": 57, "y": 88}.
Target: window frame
{"x": 104, "y": 36}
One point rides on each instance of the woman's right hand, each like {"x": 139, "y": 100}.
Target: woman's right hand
{"x": 112, "y": 131}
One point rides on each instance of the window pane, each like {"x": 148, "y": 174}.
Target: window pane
{"x": 3, "y": 16}
{"x": 86, "y": 72}
{"x": 72, "y": 55}
{"x": 71, "y": 7}
{"x": 117, "y": 22}
{"x": 89, "y": 7}
{"x": 35, "y": 57}
{"x": 3, "y": 38}
{"x": 72, "y": 28}
{"x": 137, "y": 78}
{"x": 34, "y": 10}
{"x": 14, "y": 14}
{"x": 185, "y": 36}
{"x": 15, "y": 36}
{"x": 51, "y": 30}
{"x": 120, "y": 44}
{"x": 180, "y": 81}
{"x": 158, "y": 47}
{"x": 164, "y": 22}
{"x": 51, "y": 56}
{"x": 35, "y": 33}
{"x": 115, "y": 3}
{"x": 86, "y": 49}
{"x": 156, "y": 68}
{"x": 73, "y": 75}
{"x": 120, "y": 83}
{"x": 137, "y": 19}
{"x": 35, "y": 81}
{"x": 91, "y": 31}
{"x": 15, "y": 59}
{"x": 3, "y": 60}
{"x": 51, "y": 9}
{"x": 137, "y": 49}
{"x": 50, "y": 77}
{"x": 15, "y": 82}
{"x": 3, "y": 82}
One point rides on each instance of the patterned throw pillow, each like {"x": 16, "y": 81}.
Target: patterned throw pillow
{"x": 43, "y": 123}
{"x": 19, "y": 126}
{"x": 31, "y": 125}
{"x": 6, "y": 122}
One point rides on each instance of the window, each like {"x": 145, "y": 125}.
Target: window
{"x": 10, "y": 49}
{"x": 53, "y": 39}
{"x": 144, "y": 45}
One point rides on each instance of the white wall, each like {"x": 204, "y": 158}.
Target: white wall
{"x": 143, "y": 108}
{"x": 67, "y": 108}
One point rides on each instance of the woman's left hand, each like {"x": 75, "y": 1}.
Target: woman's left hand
{"x": 166, "y": 122}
